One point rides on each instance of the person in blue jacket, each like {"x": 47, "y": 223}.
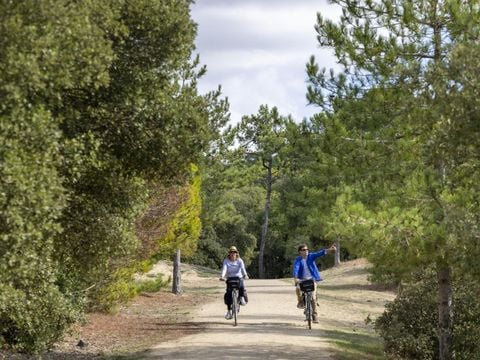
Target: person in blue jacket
{"x": 305, "y": 268}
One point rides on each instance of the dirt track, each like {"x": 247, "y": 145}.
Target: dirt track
{"x": 270, "y": 327}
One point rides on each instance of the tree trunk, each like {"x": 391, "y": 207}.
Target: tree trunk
{"x": 337, "y": 253}
{"x": 263, "y": 236}
{"x": 445, "y": 312}
{"x": 177, "y": 278}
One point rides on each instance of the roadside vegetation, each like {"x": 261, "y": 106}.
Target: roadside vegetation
{"x": 111, "y": 160}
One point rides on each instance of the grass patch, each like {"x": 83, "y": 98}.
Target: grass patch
{"x": 354, "y": 346}
{"x": 202, "y": 290}
{"x": 201, "y": 271}
{"x": 152, "y": 285}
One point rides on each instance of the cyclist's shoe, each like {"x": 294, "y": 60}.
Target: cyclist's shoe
{"x": 315, "y": 320}
{"x": 242, "y": 301}
{"x": 228, "y": 315}
{"x": 300, "y": 305}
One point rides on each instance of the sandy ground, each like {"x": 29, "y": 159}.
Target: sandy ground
{"x": 271, "y": 327}
{"x": 192, "y": 325}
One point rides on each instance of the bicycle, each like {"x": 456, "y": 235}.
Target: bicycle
{"x": 307, "y": 287}
{"x": 233, "y": 287}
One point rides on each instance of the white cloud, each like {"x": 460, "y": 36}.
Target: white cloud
{"x": 257, "y": 51}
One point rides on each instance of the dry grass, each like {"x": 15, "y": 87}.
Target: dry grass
{"x": 349, "y": 304}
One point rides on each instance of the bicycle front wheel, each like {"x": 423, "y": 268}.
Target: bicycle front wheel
{"x": 235, "y": 306}
{"x": 308, "y": 309}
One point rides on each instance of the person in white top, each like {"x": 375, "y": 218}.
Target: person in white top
{"x": 233, "y": 266}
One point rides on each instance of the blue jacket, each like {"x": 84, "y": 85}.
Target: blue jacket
{"x": 312, "y": 266}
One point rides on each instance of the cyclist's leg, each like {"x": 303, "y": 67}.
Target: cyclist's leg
{"x": 228, "y": 299}
{"x": 314, "y": 302}
{"x": 242, "y": 292}
{"x": 300, "y": 302}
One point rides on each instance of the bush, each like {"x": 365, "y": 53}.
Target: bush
{"x": 466, "y": 330}
{"x": 122, "y": 287}
{"x": 409, "y": 323}
{"x": 32, "y": 322}
{"x": 152, "y": 285}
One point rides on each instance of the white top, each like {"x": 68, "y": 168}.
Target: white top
{"x": 235, "y": 268}
{"x": 307, "y": 275}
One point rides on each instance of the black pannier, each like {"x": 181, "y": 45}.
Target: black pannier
{"x": 233, "y": 283}
{"x": 307, "y": 285}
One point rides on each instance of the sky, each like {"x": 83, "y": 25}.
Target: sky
{"x": 257, "y": 51}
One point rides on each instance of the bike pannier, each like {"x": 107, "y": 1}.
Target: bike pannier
{"x": 233, "y": 283}
{"x": 307, "y": 285}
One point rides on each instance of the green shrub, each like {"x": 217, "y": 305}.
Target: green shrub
{"x": 119, "y": 290}
{"x": 122, "y": 287}
{"x": 409, "y": 324}
{"x": 466, "y": 330}
{"x": 153, "y": 285}
{"x": 32, "y": 322}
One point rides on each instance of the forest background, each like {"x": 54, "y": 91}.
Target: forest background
{"x": 110, "y": 159}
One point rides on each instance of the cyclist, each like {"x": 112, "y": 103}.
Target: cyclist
{"x": 233, "y": 266}
{"x": 305, "y": 268}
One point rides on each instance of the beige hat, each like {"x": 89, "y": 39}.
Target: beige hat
{"x": 233, "y": 248}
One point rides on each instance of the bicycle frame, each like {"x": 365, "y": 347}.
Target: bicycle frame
{"x": 233, "y": 286}
{"x": 307, "y": 287}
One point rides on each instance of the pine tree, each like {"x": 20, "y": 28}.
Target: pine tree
{"x": 401, "y": 98}
{"x": 262, "y": 138}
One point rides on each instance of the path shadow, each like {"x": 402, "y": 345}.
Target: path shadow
{"x": 230, "y": 350}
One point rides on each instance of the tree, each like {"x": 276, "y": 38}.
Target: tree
{"x": 261, "y": 136}
{"x": 99, "y": 100}
{"x": 148, "y": 124}
{"x": 231, "y": 204}
{"x": 39, "y": 59}
{"x": 402, "y": 100}
{"x": 311, "y": 181}
{"x": 172, "y": 226}
{"x": 177, "y": 275}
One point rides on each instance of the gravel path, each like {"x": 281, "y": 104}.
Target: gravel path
{"x": 270, "y": 327}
